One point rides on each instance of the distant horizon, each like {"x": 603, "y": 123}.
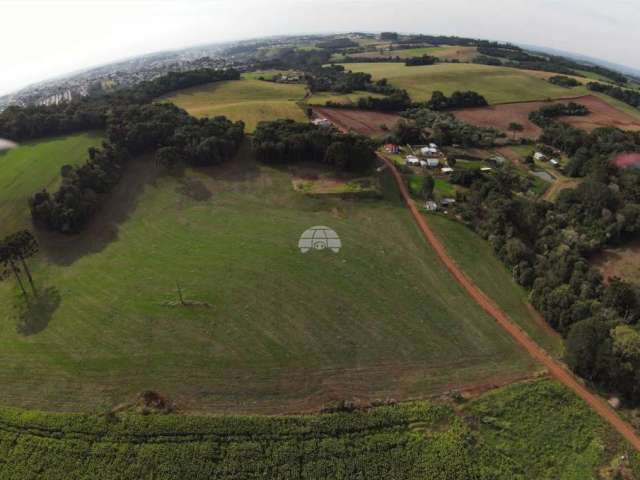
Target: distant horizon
{"x": 89, "y": 68}
{"x": 51, "y": 38}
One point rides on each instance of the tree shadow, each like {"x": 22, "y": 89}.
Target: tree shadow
{"x": 33, "y": 318}
{"x": 103, "y": 229}
{"x": 194, "y": 189}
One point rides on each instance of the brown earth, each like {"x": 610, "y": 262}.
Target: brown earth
{"x": 558, "y": 370}
{"x": 621, "y": 262}
{"x": 500, "y": 116}
{"x": 364, "y": 122}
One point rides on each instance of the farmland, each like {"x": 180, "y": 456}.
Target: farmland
{"x": 249, "y": 99}
{"x": 529, "y": 430}
{"x": 500, "y": 116}
{"x": 445, "y": 52}
{"x": 268, "y": 329}
{"x": 365, "y": 122}
{"x": 32, "y": 166}
{"x": 321, "y": 98}
{"x": 497, "y": 84}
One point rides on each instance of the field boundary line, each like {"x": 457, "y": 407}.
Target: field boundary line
{"x": 557, "y": 369}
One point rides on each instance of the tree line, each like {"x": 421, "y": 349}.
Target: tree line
{"x": 162, "y": 128}
{"x": 27, "y": 123}
{"x": 443, "y": 128}
{"x": 628, "y": 96}
{"x": 564, "y": 81}
{"x": 547, "y": 247}
{"x": 548, "y": 113}
{"x": 468, "y": 99}
{"x": 288, "y": 142}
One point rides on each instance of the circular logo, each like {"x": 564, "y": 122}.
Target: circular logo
{"x": 319, "y": 238}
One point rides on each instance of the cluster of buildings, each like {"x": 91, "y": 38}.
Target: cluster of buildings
{"x": 114, "y": 76}
{"x": 541, "y": 157}
{"x": 430, "y": 157}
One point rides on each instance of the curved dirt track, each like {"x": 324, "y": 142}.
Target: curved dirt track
{"x": 556, "y": 369}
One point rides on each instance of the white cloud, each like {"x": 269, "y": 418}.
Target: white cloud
{"x": 43, "y": 38}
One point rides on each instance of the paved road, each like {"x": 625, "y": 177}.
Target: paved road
{"x": 555, "y": 368}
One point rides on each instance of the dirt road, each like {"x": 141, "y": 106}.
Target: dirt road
{"x": 556, "y": 369}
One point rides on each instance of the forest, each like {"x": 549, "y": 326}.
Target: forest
{"x": 287, "y": 142}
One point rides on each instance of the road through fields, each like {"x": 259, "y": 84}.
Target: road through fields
{"x": 555, "y": 368}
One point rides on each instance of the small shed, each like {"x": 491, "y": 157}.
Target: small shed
{"x": 446, "y": 170}
{"x": 431, "y": 206}
{"x": 413, "y": 161}
{"x": 486, "y": 169}
{"x": 539, "y": 156}
{"x": 433, "y": 162}
{"x": 446, "y": 202}
{"x": 554, "y": 162}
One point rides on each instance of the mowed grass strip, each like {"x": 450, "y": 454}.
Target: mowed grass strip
{"x": 497, "y": 84}
{"x": 32, "y": 167}
{"x": 283, "y": 331}
{"x": 475, "y": 256}
{"x": 248, "y": 99}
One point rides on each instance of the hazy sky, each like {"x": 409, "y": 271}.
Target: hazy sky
{"x": 46, "y": 38}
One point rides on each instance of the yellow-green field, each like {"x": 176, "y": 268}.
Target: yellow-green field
{"x": 497, "y": 84}
{"x": 249, "y": 100}
{"x": 448, "y": 52}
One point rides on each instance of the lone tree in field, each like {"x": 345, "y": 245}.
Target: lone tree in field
{"x": 8, "y": 266}
{"x": 515, "y": 128}
{"x": 17, "y": 248}
{"x": 427, "y": 187}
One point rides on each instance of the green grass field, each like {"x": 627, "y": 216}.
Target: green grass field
{"x": 283, "y": 331}
{"x": 478, "y": 261}
{"x": 535, "y": 430}
{"x": 249, "y": 100}
{"x": 497, "y": 84}
{"x": 33, "y": 166}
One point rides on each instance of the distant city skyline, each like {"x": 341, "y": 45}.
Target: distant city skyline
{"x": 45, "y": 39}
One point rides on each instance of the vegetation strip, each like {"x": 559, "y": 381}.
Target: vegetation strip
{"x": 537, "y": 352}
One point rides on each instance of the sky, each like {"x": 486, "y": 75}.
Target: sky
{"x": 42, "y": 39}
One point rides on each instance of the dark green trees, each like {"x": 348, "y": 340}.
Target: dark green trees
{"x": 15, "y": 249}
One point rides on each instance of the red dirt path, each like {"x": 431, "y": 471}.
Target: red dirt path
{"x": 364, "y": 122}
{"x": 556, "y": 369}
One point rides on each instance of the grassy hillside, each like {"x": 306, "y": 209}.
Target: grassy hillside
{"x": 478, "y": 261}
{"x": 249, "y": 100}
{"x": 32, "y": 166}
{"x": 537, "y": 430}
{"x": 282, "y": 331}
{"x": 497, "y": 84}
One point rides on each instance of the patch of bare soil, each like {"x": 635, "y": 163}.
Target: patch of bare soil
{"x": 619, "y": 262}
{"x": 364, "y": 122}
{"x": 500, "y": 116}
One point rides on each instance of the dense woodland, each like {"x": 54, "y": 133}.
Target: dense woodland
{"x": 26, "y": 123}
{"x": 287, "y": 142}
{"x": 547, "y": 246}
